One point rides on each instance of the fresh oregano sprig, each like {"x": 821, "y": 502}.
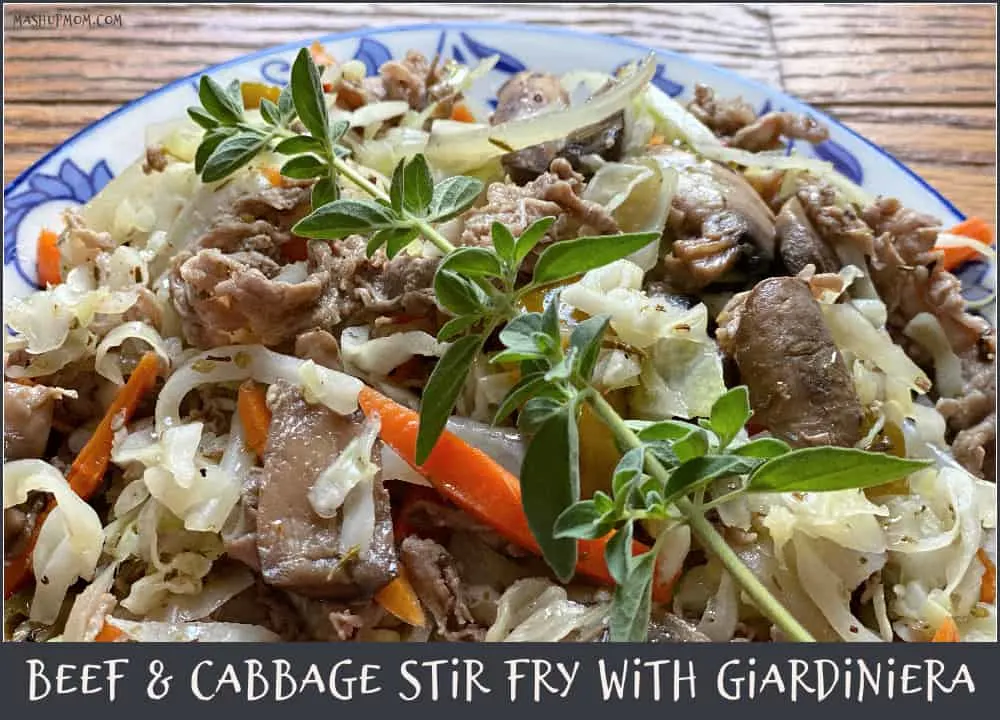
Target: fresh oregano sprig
{"x": 478, "y": 286}
{"x": 664, "y": 470}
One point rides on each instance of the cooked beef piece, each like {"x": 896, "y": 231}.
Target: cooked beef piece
{"x": 836, "y": 223}
{"x": 435, "y": 578}
{"x": 319, "y": 346}
{"x": 718, "y": 225}
{"x": 248, "y": 297}
{"x": 79, "y": 244}
{"x": 268, "y": 607}
{"x": 27, "y": 419}
{"x": 555, "y": 193}
{"x": 800, "y": 388}
{"x": 972, "y": 415}
{"x": 799, "y": 244}
{"x": 412, "y": 79}
{"x": 230, "y": 299}
{"x": 428, "y": 516}
{"x": 910, "y": 278}
{"x": 328, "y": 621}
{"x": 19, "y": 523}
{"x": 156, "y": 159}
{"x": 528, "y": 93}
{"x": 239, "y": 534}
{"x": 363, "y": 288}
{"x": 736, "y": 122}
{"x": 299, "y": 550}
{"x": 259, "y": 221}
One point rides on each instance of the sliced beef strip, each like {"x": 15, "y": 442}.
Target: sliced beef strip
{"x": 27, "y": 419}
{"x": 241, "y": 297}
{"x": 363, "y": 288}
{"x": 435, "y": 577}
{"x": 298, "y": 549}
{"x": 269, "y": 607}
{"x": 799, "y": 244}
{"x": 972, "y": 415}
{"x": 239, "y": 534}
{"x": 329, "y": 621}
{"x": 260, "y": 221}
{"x": 319, "y": 346}
{"x": 911, "y": 279}
{"x": 553, "y": 194}
{"x": 425, "y": 515}
{"x": 736, "y": 122}
{"x": 230, "y": 299}
{"x": 800, "y": 388}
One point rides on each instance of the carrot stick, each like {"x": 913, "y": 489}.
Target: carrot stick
{"x": 88, "y": 469}
{"x": 988, "y": 589}
{"x": 481, "y": 487}
{"x": 461, "y": 113}
{"x": 974, "y": 228}
{"x": 273, "y": 176}
{"x": 319, "y": 54}
{"x": 49, "y": 259}
{"x": 255, "y": 416}
{"x": 109, "y": 633}
{"x": 947, "y": 632}
{"x": 400, "y": 599}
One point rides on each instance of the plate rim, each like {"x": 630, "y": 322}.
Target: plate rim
{"x": 540, "y": 28}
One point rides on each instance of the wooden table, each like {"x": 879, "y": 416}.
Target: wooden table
{"x": 918, "y": 80}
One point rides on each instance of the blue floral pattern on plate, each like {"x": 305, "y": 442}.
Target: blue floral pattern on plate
{"x": 59, "y": 175}
{"x": 69, "y": 183}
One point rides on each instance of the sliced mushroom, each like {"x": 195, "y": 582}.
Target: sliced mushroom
{"x": 721, "y": 230}
{"x": 799, "y": 244}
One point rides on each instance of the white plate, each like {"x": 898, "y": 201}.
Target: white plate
{"x": 73, "y": 172}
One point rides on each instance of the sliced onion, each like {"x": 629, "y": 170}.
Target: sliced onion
{"x": 926, "y": 330}
{"x": 336, "y": 390}
{"x": 947, "y": 240}
{"x": 394, "y": 467}
{"x": 69, "y": 542}
{"x": 86, "y": 617}
{"x": 504, "y": 445}
{"x": 219, "y": 588}
{"x": 106, "y": 364}
{"x": 352, "y": 466}
{"x": 851, "y": 331}
{"x": 471, "y": 149}
{"x": 151, "y": 631}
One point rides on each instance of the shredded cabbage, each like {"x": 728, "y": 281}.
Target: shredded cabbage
{"x": 336, "y": 390}
{"x": 151, "y": 631}
{"x": 352, "y": 467}
{"x": 459, "y": 152}
{"x": 69, "y": 542}
{"x": 380, "y": 356}
{"x": 537, "y": 610}
{"x": 106, "y": 362}
{"x": 925, "y": 329}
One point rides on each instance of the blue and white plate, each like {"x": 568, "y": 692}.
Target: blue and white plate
{"x": 76, "y": 170}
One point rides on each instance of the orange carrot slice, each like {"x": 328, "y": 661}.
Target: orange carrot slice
{"x": 486, "y": 490}
{"x": 988, "y": 589}
{"x": 400, "y": 599}
{"x": 974, "y": 228}
{"x": 49, "y": 259}
{"x": 251, "y": 403}
{"x": 947, "y": 632}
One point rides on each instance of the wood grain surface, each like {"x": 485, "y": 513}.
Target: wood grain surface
{"x": 918, "y": 80}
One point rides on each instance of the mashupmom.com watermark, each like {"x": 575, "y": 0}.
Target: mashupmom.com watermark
{"x": 61, "y": 19}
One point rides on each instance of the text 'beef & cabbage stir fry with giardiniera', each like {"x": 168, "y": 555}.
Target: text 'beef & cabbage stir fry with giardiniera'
{"x": 360, "y": 359}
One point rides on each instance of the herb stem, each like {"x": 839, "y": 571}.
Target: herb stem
{"x": 426, "y": 229}
{"x": 705, "y": 531}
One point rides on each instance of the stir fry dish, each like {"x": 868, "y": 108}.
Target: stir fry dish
{"x": 362, "y": 359}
